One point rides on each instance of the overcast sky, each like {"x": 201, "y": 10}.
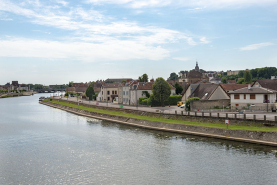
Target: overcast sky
{"x": 56, "y": 41}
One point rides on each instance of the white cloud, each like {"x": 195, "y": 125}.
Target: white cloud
{"x": 194, "y": 5}
{"x": 95, "y": 37}
{"x": 84, "y": 51}
{"x": 204, "y": 40}
{"x": 64, "y": 3}
{"x": 181, "y": 58}
{"x": 255, "y": 46}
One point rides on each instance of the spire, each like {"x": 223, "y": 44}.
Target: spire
{"x": 196, "y": 67}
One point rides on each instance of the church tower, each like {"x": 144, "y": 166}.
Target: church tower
{"x": 196, "y": 67}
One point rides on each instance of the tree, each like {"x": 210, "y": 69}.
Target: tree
{"x": 143, "y": 78}
{"x": 240, "y": 74}
{"x": 70, "y": 84}
{"x": 178, "y": 88}
{"x": 173, "y": 76}
{"x": 90, "y": 92}
{"x": 161, "y": 90}
{"x": 123, "y": 81}
{"x": 241, "y": 81}
{"x": 224, "y": 80}
{"x": 247, "y": 77}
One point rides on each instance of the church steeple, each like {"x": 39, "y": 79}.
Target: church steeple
{"x": 196, "y": 67}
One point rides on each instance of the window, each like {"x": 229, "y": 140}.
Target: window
{"x": 236, "y": 96}
{"x": 115, "y": 92}
{"x": 102, "y": 92}
{"x": 108, "y": 98}
{"x": 126, "y": 92}
{"x": 123, "y": 99}
{"x": 252, "y": 96}
{"x": 108, "y": 92}
{"x": 123, "y": 92}
{"x": 244, "y": 96}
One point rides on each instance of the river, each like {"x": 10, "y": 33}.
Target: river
{"x": 44, "y": 145}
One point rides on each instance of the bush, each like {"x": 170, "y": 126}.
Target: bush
{"x": 50, "y": 99}
{"x": 173, "y": 100}
{"x": 141, "y": 99}
{"x": 145, "y": 101}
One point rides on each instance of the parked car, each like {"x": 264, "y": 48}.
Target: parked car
{"x": 180, "y": 103}
{"x": 182, "y": 106}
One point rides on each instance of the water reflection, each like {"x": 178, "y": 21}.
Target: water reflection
{"x": 244, "y": 148}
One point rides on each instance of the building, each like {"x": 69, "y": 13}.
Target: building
{"x": 266, "y": 83}
{"x": 193, "y": 75}
{"x": 230, "y": 72}
{"x": 215, "y": 81}
{"x": 209, "y": 92}
{"x": 231, "y": 82}
{"x": 228, "y": 88}
{"x": 253, "y": 98}
{"x": 109, "y": 92}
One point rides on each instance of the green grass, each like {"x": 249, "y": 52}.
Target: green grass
{"x": 173, "y": 121}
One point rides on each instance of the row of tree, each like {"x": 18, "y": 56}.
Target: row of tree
{"x": 253, "y": 74}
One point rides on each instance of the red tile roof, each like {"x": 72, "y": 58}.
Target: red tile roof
{"x": 232, "y": 87}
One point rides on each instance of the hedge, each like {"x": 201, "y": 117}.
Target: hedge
{"x": 145, "y": 102}
{"x": 172, "y": 100}
{"x": 141, "y": 99}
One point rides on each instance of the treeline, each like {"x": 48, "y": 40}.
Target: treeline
{"x": 256, "y": 74}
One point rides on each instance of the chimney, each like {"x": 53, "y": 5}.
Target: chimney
{"x": 249, "y": 86}
{"x": 152, "y": 80}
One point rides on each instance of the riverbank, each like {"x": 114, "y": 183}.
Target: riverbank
{"x": 258, "y": 137}
{"x": 9, "y": 95}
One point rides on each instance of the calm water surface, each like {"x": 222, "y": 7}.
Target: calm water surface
{"x": 43, "y": 145}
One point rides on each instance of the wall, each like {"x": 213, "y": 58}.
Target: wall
{"x": 208, "y": 104}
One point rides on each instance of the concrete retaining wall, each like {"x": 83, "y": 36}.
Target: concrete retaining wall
{"x": 265, "y": 138}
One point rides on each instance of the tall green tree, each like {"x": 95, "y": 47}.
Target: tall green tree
{"x": 90, "y": 92}
{"x": 224, "y": 80}
{"x": 173, "y": 76}
{"x": 143, "y": 78}
{"x": 178, "y": 88}
{"x": 161, "y": 90}
{"x": 247, "y": 77}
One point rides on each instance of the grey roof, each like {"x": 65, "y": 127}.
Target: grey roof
{"x": 272, "y": 84}
{"x": 253, "y": 90}
{"x": 204, "y": 91}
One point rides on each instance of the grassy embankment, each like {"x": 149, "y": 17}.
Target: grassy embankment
{"x": 173, "y": 121}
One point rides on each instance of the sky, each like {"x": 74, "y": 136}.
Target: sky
{"x": 57, "y": 41}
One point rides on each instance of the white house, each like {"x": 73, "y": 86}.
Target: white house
{"x": 255, "y": 97}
